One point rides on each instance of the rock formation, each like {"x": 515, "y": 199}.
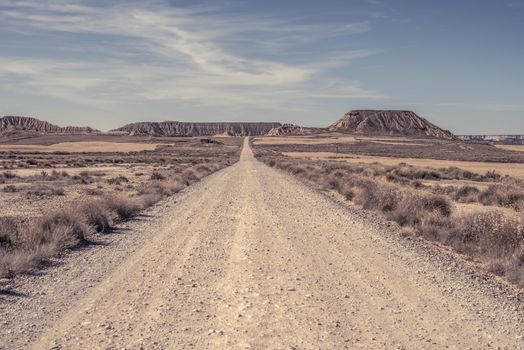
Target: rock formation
{"x": 388, "y": 122}
{"x": 175, "y": 128}
{"x": 32, "y": 125}
{"x": 293, "y": 130}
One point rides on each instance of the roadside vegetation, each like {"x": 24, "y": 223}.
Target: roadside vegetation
{"x": 492, "y": 231}
{"x": 102, "y": 201}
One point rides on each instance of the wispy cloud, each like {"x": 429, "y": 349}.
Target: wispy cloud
{"x": 155, "y": 51}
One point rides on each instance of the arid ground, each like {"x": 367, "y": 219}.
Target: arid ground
{"x": 250, "y": 257}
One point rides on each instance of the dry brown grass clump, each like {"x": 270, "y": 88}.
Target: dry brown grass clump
{"x": 124, "y": 207}
{"x": 96, "y": 214}
{"x": 494, "y": 237}
{"x": 39, "y": 190}
{"x": 10, "y": 189}
{"x": 503, "y": 196}
{"x": 26, "y": 245}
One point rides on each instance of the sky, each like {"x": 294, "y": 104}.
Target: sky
{"x": 458, "y": 63}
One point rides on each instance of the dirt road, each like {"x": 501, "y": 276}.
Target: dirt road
{"x": 251, "y": 258}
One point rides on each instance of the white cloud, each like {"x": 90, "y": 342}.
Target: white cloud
{"x": 170, "y": 53}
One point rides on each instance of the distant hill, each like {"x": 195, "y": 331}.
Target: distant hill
{"x": 388, "y": 122}
{"x": 175, "y": 128}
{"x": 495, "y": 139}
{"x": 29, "y": 125}
{"x": 293, "y": 130}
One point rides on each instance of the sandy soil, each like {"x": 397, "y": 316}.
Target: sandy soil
{"x": 82, "y": 146}
{"x": 512, "y": 169}
{"x": 251, "y": 258}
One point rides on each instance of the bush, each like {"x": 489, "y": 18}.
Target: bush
{"x": 149, "y": 200}
{"x": 124, "y": 207}
{"x": 62, "y": 229}
{"x": 95, "y": 214}
{"x": 157, "y": 176}
{"x": 8, "y": 175}
{"x": 44, "y": 190}
{"x": 10, "y": 189}
{"x": 94, "y": 192}
{"x": 8, "y": 230}
{"x": 490, "y": 233}
{"x": 466, "y": 194}
{"x": 189, "y": 176}
{"x": 503, "y": 196}
{"x": 117, "y": 180}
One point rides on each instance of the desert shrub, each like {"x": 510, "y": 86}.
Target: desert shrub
{"x": 203, "y": 170}
{"x": 16, "y": 261}
{"x": 298, "y": 170}
{"x": 347, "y": 191}
{"x": 8, "y": 230}
{"x": 490, "y": 233}
{"x": 8, "y": 175}
{"x": 149, "y": 200}
{"x": 10, "y": 189}
{"x": 331, "y": 182}
{"x": 492, "y": 175}
{"x": 27, "y": 245}
{"x": 44, "y": 190}
{"x": 157, "y": 176}
{"x": 411, "y": 209}
{"x": 374, "y": 197}
{"x": 124, "y": 207}
{"x": 61, "y": 229}
{"x": 466, "y": 194}
{"x": 503, "y": 196}
{"x": 514, "y": 268}
{"x": 94, "y": 192}
{"x": 189, "y": 176}
{"x": 435, "y": 203}
{"x": 95, "y": 214}
{"x": 118, "y": 180}
{"x": 434, "y": 226}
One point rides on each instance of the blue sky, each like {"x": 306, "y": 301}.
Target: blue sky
{"x": 101, "y": 63}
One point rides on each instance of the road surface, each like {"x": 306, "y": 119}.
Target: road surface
{"x": 251, "y": 258}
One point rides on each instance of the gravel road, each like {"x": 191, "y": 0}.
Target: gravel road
{"x": 252, "y": 258}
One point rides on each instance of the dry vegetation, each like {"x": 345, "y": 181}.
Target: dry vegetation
{"x": 393, "y": 147}
{"x": 55, "y": 202}
{"x": 417, "y": 201}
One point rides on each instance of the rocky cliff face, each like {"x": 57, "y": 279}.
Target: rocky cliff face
{"x": 495, "y": 139}
{"x": 386, "y": 122}
{"x": 293, "y": 130}
{"x": 174, "y": 128}
{"x": 33, "y": 125}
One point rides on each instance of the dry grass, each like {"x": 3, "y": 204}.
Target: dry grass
{"x": 424, "y": 149}
{"x": 506, "y": 168}
{"x": 494, "y": 236}
{"x": 24, "y": 246}
{"x": 28, "y": 244}
{"x": 39, "y": 190}
{"x": 63, "y": 179}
